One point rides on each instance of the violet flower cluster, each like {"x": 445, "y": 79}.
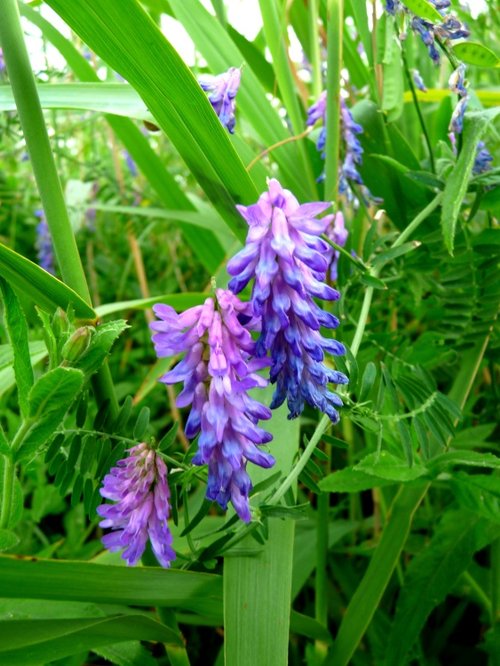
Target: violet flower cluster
{"x": 449, "y": 28}
{"x": 353, "y": 151}
{"x": 43, "y": 243}
{"x": 223, "y": 89}
{"x": 218, "y": 370}
{"x": 287, "y": 260}
{"x": 139, "y": 489}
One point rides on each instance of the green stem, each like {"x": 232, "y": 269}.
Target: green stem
{"x": 302, "y": 462}
{"x": 478, "y": 592}
{"x": 315, "y": 55}
{"x": 45, "y": 171}
{"x": 37, "y": 141}
{"x": 335, "y": 35}
{"x": 9, "y": 475}
{"x": 363, "y": 317}
{"x": 414, "y": 224}
{"x": 418, "y": 109}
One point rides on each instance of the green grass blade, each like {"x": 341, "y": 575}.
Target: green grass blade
{"x": 220, "y": 52}
{"x": 106, "y": 584}
{"x": 178, "y": 301}
{"x": 257, "y": 589}
{"x": 18, "y": 334}
{"x": 122, "y": 33}
{"x": 335, "y": 30}
{"x": 32, "y": 642}
{"x": 205, "y": 246}
{"x": 45, "y": 290}
{"x": 369, "y": 592}
{"x": 276, "y": 33}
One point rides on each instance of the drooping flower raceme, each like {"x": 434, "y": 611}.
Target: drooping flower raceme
{"x": 223, "y": 89}
{"x": 217, "y": 371}
{"x": 456, "y": 84}
{"x": 449, "y": 28}
{"x": 288, "y": 260}
{"x": 138, "y": 486}
{"x": 352, "y": 149}
{"x": 44, "y": 246}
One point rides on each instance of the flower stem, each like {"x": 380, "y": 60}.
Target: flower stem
{"x": 317, "y": 83}
{"x": 9, "y": 475}
{"x": 418, "y": 110}
{"x": 415, "y": 223}
{"x": 335, "y": 11}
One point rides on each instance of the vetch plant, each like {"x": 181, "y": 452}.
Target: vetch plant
{"x": 303, "y": 459}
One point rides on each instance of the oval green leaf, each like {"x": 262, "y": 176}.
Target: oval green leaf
{"x": 474, "y": 53}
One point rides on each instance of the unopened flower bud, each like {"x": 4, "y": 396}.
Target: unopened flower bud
{"x": 77, "y": 345}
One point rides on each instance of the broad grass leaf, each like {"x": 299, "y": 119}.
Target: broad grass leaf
{"x": 31, "y": 642}
{"x": 107, "y": 584}
{"x": 43, "y": 288}
{"x": 130, "y": 42}
{"x": 17, "y": 328}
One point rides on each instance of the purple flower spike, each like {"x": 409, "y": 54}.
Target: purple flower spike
{"x": 338, "y": 234}
{"x": 217, "y": 371}
{"x": 223, "y": 89}
{"x": 288, "y": 260}
{"x": 2, "y": 62}
{"x": 138, "y": 486}
{"x": 44, "y": 244}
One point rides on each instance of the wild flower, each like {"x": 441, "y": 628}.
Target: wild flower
{"x": 418, "y": 80}
{"x": 288, "y": 260}
{"x": 217, "y": 371}
{"x": 338, "y": 234}
{"x": 223, "y": 89}
{"x": 44, "y": 243}
{"x": 2, "y": 61}
{"x": 139, "y": 489}
{"x": 449, "y": 28}
{"x": 130, "y": 163}
{"x": 483, "y": 160}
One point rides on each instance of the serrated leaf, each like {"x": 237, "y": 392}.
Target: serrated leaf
{"x": 18, "y": 334}
{"x": 474, "y": 53}
{"x": 49, "y": 400}
{"x": 100, "y": 345}
{"x": 466, "y": 458}
{"x": 350, "y": 480}
{"x": 386, "y": 466}
{"x": 475, "y": 124}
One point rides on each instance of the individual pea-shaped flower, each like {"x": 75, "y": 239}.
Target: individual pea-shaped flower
{"x": 418, "y": 80}
{"x": 483, "y": 160}
{"x": 138, "y": 486}
{"x": 217, "y": 371}
{"x": 43, "y": 243}
{"x": 222, "y": 91}
{"x": 338, "y": 234}
{"x": 288, "y": 260}
{"x": 457, "y": 117}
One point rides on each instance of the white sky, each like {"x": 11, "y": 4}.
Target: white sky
{"x": 243, "y": 15}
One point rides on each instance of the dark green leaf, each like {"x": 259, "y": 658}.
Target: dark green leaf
{"x": 18, "y": 335}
